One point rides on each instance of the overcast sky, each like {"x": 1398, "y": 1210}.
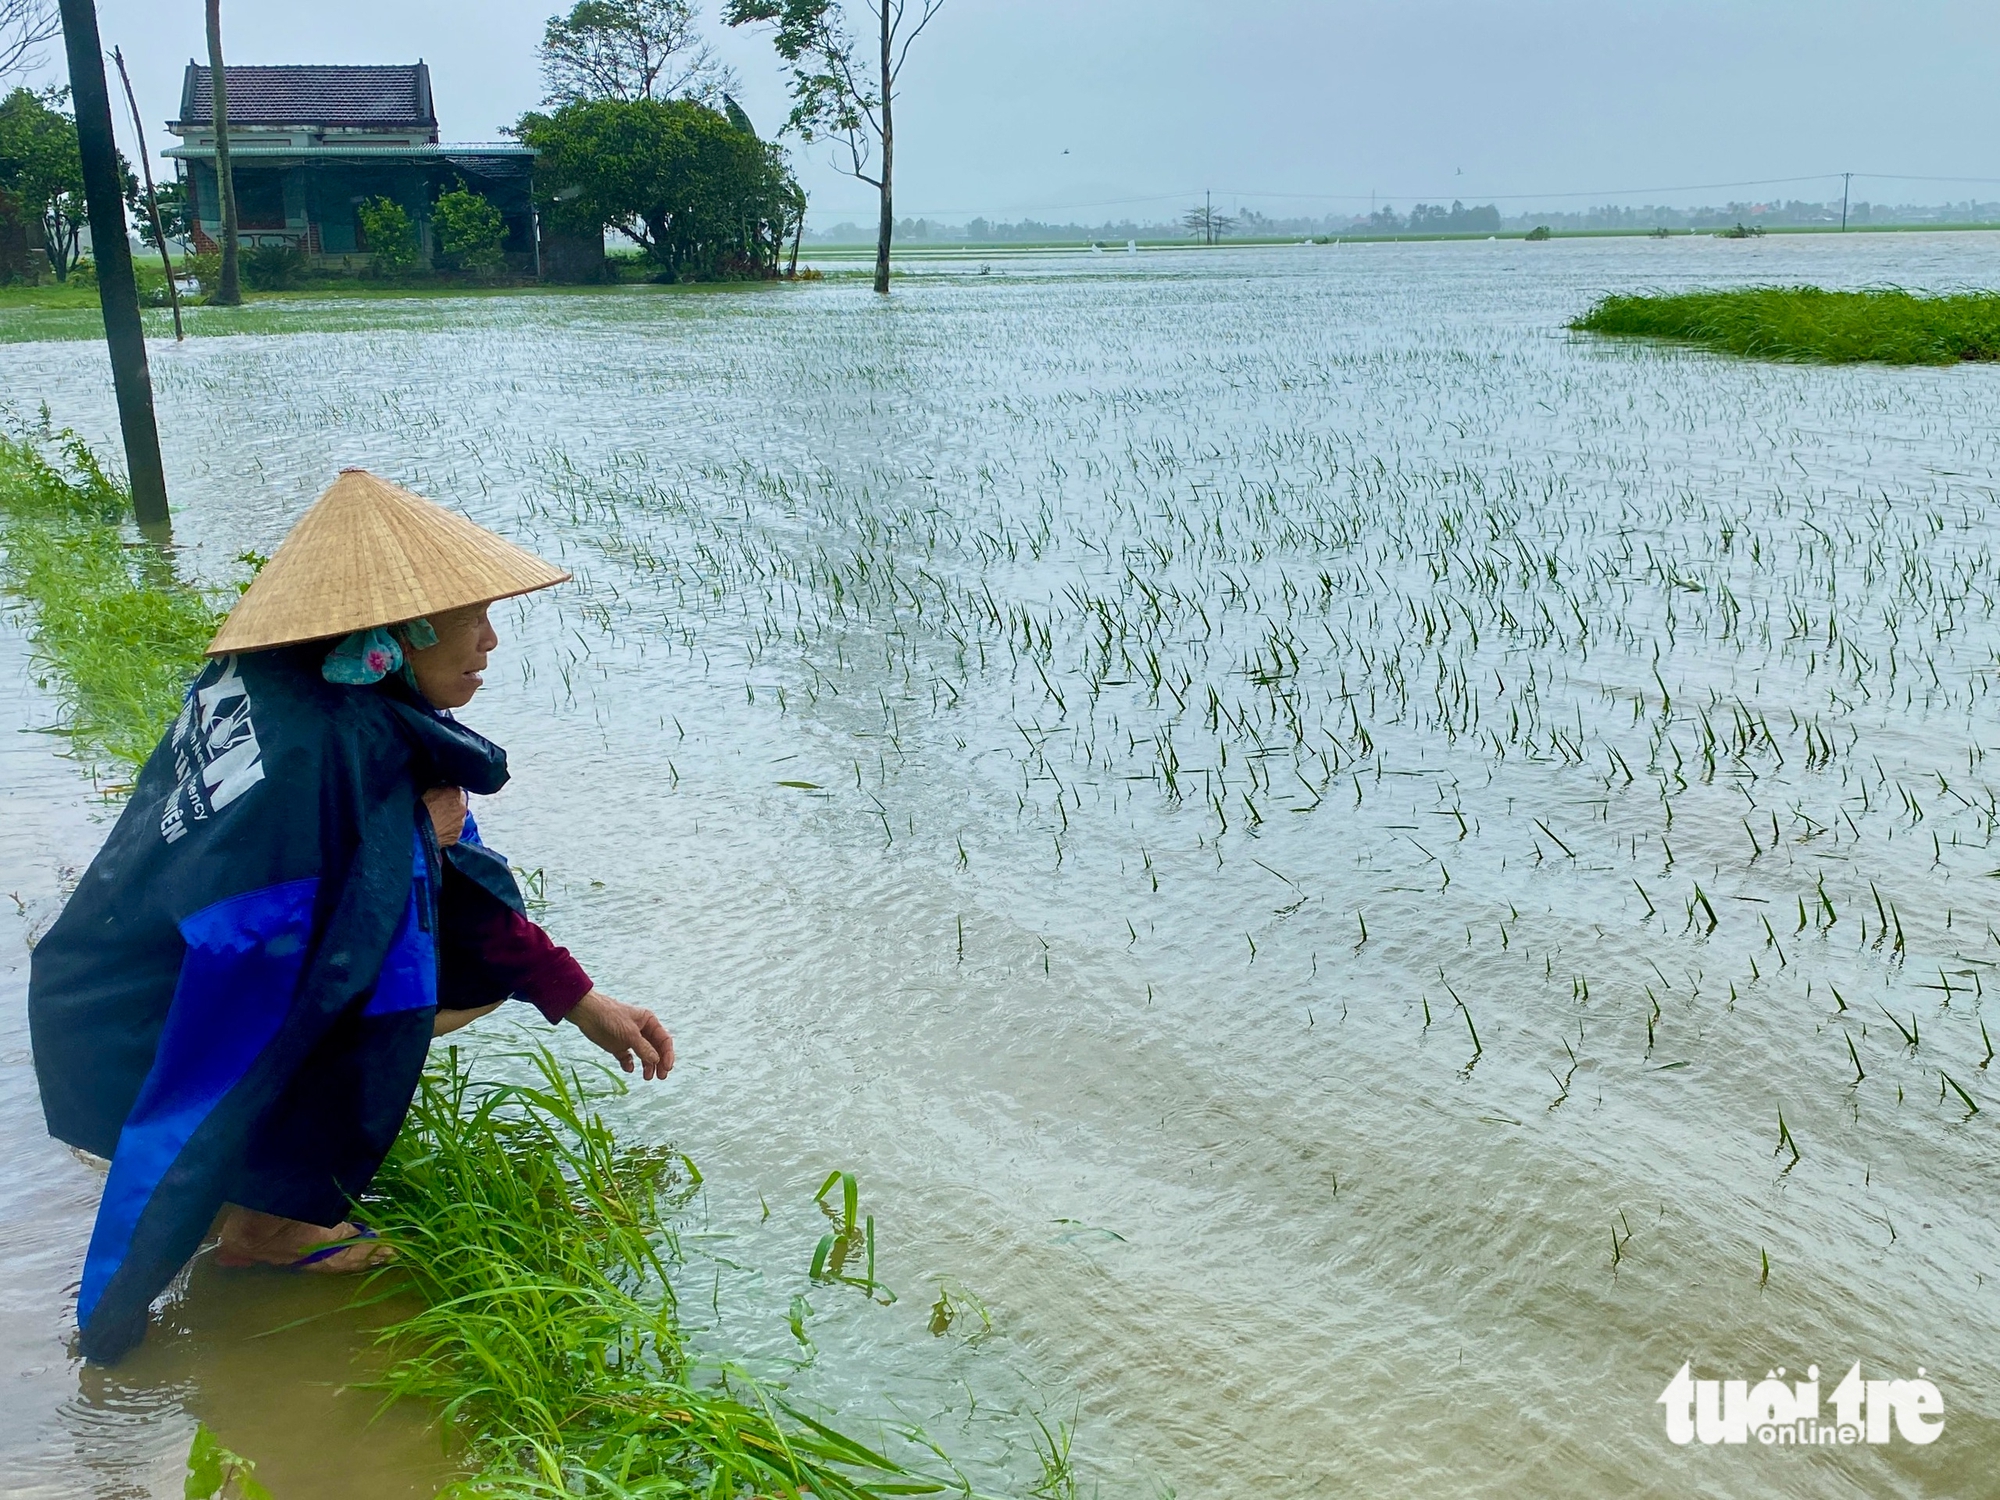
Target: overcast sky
{"x": 1100, "y": 109}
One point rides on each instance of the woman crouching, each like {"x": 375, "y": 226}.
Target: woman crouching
{"x": 235, "y": 1005}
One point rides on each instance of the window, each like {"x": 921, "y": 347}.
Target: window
{"x": 260, "y": 199}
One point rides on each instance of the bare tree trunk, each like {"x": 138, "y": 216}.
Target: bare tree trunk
{"x": 117, "y": 293}
{"x": 798, "y": 233}
{"x": 152, "y": 195}
{"x": 228, "y": 291}
{"x": 887, "y": 228}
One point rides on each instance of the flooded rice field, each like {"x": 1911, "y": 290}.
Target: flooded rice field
{"x": 1358, "y": 878}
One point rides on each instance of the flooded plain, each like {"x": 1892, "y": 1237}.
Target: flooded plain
{"x": 1357, "y": 877}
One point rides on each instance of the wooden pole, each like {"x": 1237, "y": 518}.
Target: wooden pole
{"x": 886, "y": 228}
{"x": 152, "y": 194}
{"x": 117, "y": 292}
{"x": 228, "y": 290}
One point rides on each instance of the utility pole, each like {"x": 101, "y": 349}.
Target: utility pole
{"x": 1845, "y": 179}
{"x": 1207, "y": 217}
{"x": 228, "y": 291}
{"x": 117, "y": 292}
{"x": 152, "y": 194}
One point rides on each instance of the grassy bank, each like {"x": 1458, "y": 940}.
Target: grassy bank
{"x": 35, "y": 314}
{"x": 549, "y": 1340}
{"x": 116, "y": 634}
{"x": 1805, "y": 323}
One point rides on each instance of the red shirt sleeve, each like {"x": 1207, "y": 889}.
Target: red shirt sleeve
{"x": 517, "y": 958}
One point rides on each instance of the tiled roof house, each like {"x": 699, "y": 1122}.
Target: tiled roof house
{"x": 309, "y": 144}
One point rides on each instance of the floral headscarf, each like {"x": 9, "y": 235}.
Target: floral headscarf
{"x": 367, "y": 656}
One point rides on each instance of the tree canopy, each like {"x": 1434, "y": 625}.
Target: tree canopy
{"x": 42, "y": 171}
{"x": 836, "y": 96}
{"x": 630, "y": 49}
{"x": 699, "y": 195}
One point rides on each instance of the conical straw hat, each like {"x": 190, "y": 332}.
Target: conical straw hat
{"x": 371, "y": 553}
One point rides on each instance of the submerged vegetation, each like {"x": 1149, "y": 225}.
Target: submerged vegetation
{"x": 548, "y": 1338}
{"x": 1807, "y": 323}
{"x": 1296, "y": 697}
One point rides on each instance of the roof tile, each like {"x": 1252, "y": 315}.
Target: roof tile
{"x": 395, "y": 96}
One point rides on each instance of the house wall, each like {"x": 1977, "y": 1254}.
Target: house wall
{"x": 334, "y": 192}
{"x": 312, "y": 205}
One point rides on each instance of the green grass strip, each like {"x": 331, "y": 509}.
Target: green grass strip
{"x": 1805, "y": 323}
{"x": 117, "y": 635}
{"x": 536, "y": 1242}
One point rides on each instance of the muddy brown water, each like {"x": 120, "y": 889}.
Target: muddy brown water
{"x": 1295, "y": 824}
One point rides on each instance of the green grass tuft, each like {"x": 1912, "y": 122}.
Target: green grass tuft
{"x": 1807, "y": 323}
{"x": 549, "y": 1337}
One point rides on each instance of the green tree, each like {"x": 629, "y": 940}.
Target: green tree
{"x": 175, "y": 217}
{"x": 844, "y": 95}
{"x": 700, "y": 196}
{"x": 391, "y": 235}
{"x": 1206, "y": 222}
{"x": 469, "y": 230}
{"x": 41, "y": 169}
{"x": 630, "y": 49}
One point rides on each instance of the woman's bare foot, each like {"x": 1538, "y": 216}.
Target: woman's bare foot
{"x": 251, "y": 1238}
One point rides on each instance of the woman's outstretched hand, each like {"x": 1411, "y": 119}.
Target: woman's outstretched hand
{"x": 625, "y": 1031}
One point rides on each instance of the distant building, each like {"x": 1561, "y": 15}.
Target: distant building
{"x": 309, "y": 144}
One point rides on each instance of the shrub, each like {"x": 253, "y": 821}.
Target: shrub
{"x": 274, "y": 268}
{"x": 206, "y": 269}
{"x": 1541, "y": 232}
{"x": 470, "y": 231}
{"x": 391, "y": 234}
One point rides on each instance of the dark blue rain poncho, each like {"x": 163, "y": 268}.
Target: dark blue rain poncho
{"x": 236, "y": 1003}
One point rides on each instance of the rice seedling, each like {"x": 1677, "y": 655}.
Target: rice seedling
{"x": 1971, "y": 1105}
{"x": 1786, "y": 1143}
{"x": 1052, "y": 1448}
{"x": 954, "y": 1305}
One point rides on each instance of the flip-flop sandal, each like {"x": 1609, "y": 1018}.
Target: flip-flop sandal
{"x": 312, "y": 1257}
{"x": 325, "y": 1252}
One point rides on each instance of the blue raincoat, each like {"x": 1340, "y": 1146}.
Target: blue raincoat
{"x": 236, "y": 1002}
